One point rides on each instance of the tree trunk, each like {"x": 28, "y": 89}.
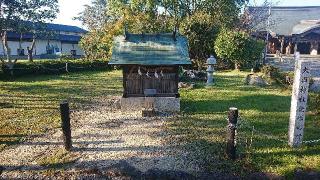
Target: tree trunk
{"x": 199, "y": 64}
{"x": 10, "y": 64}
{"x": 20, "y": 44}
{"x": 6, "y": 46}
{"x": 30, "y": 57}
{"x": 4, "y": 53}
{"x": 30, "y": 50}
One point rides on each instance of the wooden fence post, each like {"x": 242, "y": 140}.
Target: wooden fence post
{"x": 67, "y": 67}
{"x": 65, "y": 124}
{"x": 231, "y": 133}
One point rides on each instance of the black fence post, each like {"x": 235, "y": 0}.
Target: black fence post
{"x": 231, "y": 133}
{"x": 65, "y": 124}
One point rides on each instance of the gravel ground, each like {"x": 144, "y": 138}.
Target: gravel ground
{"x": 107, "y": 143}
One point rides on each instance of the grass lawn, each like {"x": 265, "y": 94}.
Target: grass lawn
{"x": 267, "y": 109}
{"x": 29, "y": 106}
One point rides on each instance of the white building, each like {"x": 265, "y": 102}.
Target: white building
{"x": 63, "y": 39}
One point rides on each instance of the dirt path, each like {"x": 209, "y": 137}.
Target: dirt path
{"x": 106, "y": 144}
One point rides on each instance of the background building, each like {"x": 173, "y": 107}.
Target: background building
{"x": 290, "y": 28}
{"x": 56, "y": 39}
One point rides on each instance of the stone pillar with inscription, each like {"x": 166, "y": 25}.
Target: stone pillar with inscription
{"x": 299, "y": 101}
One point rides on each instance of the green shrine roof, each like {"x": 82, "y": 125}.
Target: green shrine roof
{"x": 150, "y": 49}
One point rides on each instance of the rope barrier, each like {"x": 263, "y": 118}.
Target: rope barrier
{"x": 311, "y": 141}
{"x": 245, "y": 124}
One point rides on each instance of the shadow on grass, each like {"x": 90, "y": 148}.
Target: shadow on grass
{"x": 263, "y": 103}
{"x": 47, "y": 77}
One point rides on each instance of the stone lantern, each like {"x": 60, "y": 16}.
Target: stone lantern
{"x": 210, "y": 62}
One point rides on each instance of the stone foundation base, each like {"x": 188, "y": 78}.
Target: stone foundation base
{"x": 159, "y": 104}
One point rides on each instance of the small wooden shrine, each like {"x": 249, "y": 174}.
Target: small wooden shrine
{"x": 150, "y": 64}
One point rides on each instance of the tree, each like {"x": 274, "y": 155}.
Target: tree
{"x": 97, "y": 44}
{"x": 13, "y": 12}
{"x": 138, "y": 16}
{"x": 238, "y": 47}
{"x": 254, "y": 18}
{"x": 223, "y": 12}
{"x": 201, "y": 33}
{"x": 94, "y": 16}
{"x": 198, "y": 20}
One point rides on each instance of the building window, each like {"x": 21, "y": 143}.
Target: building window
{"x": 49, "y": 49}
{"x": 73, "y": 52}
{"x": 57, "y": 49}
{"x": 20, "y": 52}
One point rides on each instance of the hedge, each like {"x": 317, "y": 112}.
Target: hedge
{"x": 47, "y": 67}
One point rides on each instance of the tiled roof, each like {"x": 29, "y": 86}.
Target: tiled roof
{"x": 305, "y": 26}
{"x": 66, "y": 28}
{"x": 59, "y": 37}
{"x": 71, "y": 38}
{"x": 57, "y": 28}
{"x": 150, "y": 49}
{"x": 284, "y": 19}
{"x": 14, "y": 35}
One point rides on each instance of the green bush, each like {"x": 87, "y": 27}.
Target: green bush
{"x": 53, "y": 67}
{"x": 201, "y": 32}
{"x": 66, "y": 57}
{"x": 223, "y": 64}
{"x": 274, "y": 74}
{"x": 238, "y": 47}
{"x": 314, "y": 101}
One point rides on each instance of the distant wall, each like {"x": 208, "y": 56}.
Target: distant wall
{"x": 40, "y": 47}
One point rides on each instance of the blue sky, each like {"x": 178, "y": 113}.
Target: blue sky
{"x": 70, "y": 8}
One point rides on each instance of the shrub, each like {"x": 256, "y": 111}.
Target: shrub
{"x": 314, "y": 101}
{"x": 238, "y": 47}
{"x": 317, "y": 102}
{"x": 274, "y": 74}
{"x": 53, "y": 67}
{"x": 66, "y": 57}
{"x": 98, "y": 44}
{"x": 201, "y": 32}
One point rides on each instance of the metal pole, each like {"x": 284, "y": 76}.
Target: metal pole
{"x": 267, "y": 38}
